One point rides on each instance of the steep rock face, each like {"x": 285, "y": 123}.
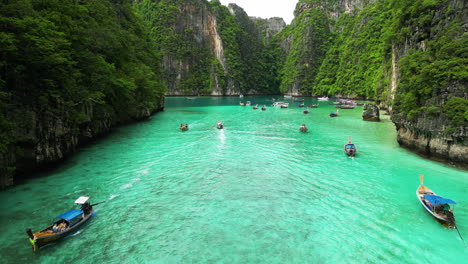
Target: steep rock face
{"x": 432, "y": 129}
{"x": 211, "y": 49}
{"x": 66, "y": 87}
{"x": 199, "y": 25}
{"x": 269, "y": 27}
{"x": 371, "y": 112}
{"x": 406, "y": 55}
{"x": 48, "y": 137}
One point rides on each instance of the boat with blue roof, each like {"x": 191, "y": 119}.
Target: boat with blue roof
{"x": 350, "y": 149}
{"x": 440, "y": 208}
{"x": 62, "y": 225}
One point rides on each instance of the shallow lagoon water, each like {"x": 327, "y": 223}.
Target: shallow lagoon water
{"x": 258, "y": 191}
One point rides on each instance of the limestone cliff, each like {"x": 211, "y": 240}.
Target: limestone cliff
{"x": 70, "y": 82}
{"x": 208, "y": 48}
{"x": 406, "y": 55}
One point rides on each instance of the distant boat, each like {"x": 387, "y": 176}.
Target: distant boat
{"x": 306, "y": 111}
{"x": 248, "y": 103}
{"x": 279, "y": 104}
{"x": 440, "y": 208}
{"x": 324, "y": 98}
{"x": 345, "y": 106}
{"x": 350, "y": 149}
{"x": 285, "y": 105}
{"x": 255, "y": 107}
{"x": 63, "y": 225}
{"x": 287, "y": 96}
{"x": 219, "y": 125}
{"x": 241, "y": 104}
{"x": 264, "y": 108}
{"x": 191, "y": 98}
{"x": 183, "y": 127}
{"x": 303, "y": 128}
{"x": 298, "y": 100}
{"x": 313, "y": 106}
{"x": 241, "y": 96}
{"x": 335, "y": 114}
{"x": 301, "y": 105}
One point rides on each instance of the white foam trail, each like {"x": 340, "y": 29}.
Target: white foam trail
{"x": 222, "y": 137}
{"x": 113, "y": 196}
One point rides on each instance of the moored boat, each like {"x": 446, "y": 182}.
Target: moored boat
{"x": 191, "y": 98}
{"x": 255, "y": 107}
{"x": 287, "y": 96}
{"x": 63, "y": 225}
{"x": 440, "y": 208}
{"x": 313, "y": 106}
{"x": 220, "y": 125}
{"x": 323, "y": 98}
{"x": 264, "y": 108}
{"x": 183, "y": 127}
{"x": 350, "y": 149}
{"x": 279, "y": 104}
{"x": 345, "y": 106}
{"x": 248, "y": 103}
{"x": 306, "y": 111}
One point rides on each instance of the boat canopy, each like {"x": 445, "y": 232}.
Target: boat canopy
{"x": 70, "y": 215}
{"x": 435, "y": 200}
{"x": 82, "y": 200}
{"x": 350, "y": 146}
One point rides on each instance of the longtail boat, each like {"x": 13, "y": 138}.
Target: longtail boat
{"x": 440, "y": 208}
{"x": 350, "y": 149}
{"x": 183, "y": 127}
{"x": 63, "y": 225}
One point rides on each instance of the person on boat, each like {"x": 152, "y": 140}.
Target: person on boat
{"x": 86, "y": 208}
{"x": 61, "y": 226}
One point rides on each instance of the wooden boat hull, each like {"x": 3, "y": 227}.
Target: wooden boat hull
{"x": 420, "y": 192}
{"x": 42, "y": 239}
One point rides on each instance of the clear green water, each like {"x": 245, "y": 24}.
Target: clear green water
{"x": 258, "y": 191}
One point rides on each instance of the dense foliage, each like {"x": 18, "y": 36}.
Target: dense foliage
{"x": 442, "y": 62}
{"x": 249, "y": 64}
{"x": 425, "y": 36}
{"x": 59, "y": 58}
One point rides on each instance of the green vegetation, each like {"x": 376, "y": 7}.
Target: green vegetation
{"x": 59, "y": 58}
{"x": 356, "y": 58}
{"x": 249, "y": 64}
{"x": 85, "y": 61}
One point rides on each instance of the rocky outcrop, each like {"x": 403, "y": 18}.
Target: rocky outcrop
{"x": 430, "y": 132}
{"x": 371, "y": 112}
{"x": 333, "y": 8}
{"x": 269, "y": 27}
{"x": 47, "y": 137}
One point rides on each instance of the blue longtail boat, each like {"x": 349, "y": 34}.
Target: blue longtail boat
{"x": 63, "y": 225}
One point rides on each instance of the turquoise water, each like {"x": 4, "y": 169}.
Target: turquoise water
{"x": 258, "y": 191}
